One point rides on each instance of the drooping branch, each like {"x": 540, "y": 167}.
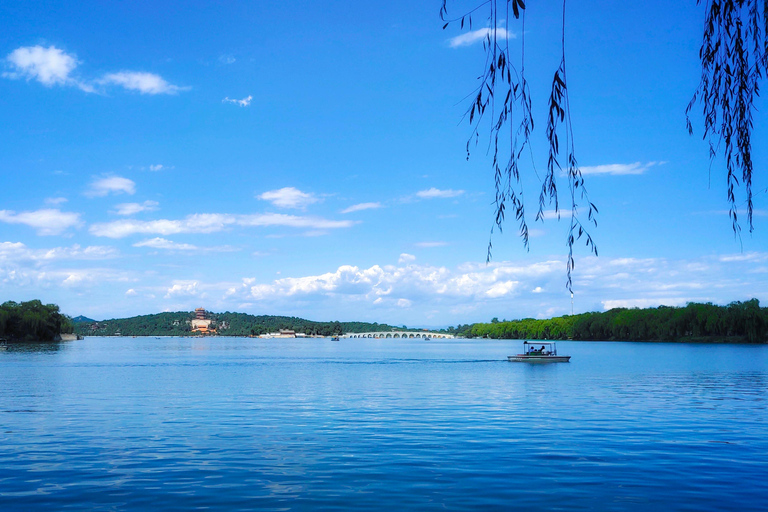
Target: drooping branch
{"x": 734, "y": 58}
{"x": 500, "y": 79}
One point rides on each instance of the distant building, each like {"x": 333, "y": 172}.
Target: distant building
{"x": 283, "y": 333}
{"x": 202, "y": 324}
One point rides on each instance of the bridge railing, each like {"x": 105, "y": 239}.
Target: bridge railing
{"x": 399, "y": 335}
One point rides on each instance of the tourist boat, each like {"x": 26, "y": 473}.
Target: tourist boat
{"x": 539, "y": 352}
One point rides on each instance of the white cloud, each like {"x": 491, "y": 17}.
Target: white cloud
{"x": 162, "y": 243}
{"x": 52, "y": 66}
{"x": 168, "y": 245}
{"x": 476, "y": 36}
{"x": 406, "y": 258}
{"x": 199, "y": 223}
{"x": 134, "y": 208}
{"x": 49, "y": 66}
{"x": 183, "y": 289}
{"x": 619, "y": 169}
{"x": 361, "y": 206}
{"x": 403, "y": 303}
{"x": 227, "y": 59}
{"x": 433, "y": 192}
{"x": 430, "y": 244}
{"x": 145, "y": 83}
{"x": 279, "y": 219}
{"x": 501, "y": 289}
{"x": 36, "y": 269}
{"x": 245, "y": 102}
{"x": 551, "y": 214}
{"x": 131, "y": 292}
{"x": 111, "y": 184}
{"x": 538, "y": 289}
{"x": 158, "y": 167}
{"x": 45, "y": 221}
{"x": 748, "y": 256}
{"x": 56, "y": 201}
{"x": 210, "y": 223}
{"x": 18, "y": 252}
{"x": 288, "y": 197}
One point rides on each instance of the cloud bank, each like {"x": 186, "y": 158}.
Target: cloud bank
{"x": 211, "y": 223}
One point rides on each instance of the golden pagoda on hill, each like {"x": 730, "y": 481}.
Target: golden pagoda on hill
{"x": 201, "y": 324}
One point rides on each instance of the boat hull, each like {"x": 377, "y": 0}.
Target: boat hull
{"x": 521, "y": 358}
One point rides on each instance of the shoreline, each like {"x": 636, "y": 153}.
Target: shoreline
{"x": 689, "y": 341}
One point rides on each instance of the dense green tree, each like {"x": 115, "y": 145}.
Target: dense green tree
{"x": 32, "y": 321}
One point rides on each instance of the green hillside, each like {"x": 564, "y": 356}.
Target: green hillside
{"x": 226, "y": 324}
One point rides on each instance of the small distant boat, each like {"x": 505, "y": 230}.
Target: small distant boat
{"x": 539, "y": 352}
{"x": 335, "y": 338}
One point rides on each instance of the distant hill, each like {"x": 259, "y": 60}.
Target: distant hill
{"x": 226, "y": 324}
{"x": 82, "y": 318}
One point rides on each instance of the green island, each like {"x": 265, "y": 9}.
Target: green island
{"x": 738, "y": 322}
{"x": 33, "y": 321}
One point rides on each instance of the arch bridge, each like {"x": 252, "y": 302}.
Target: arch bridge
{"x": 399, "y": 335}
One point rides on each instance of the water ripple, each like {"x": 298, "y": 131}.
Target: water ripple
{"x": 129, "y": 424}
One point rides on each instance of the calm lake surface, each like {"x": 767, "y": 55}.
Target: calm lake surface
{"x": 232, "y": 423}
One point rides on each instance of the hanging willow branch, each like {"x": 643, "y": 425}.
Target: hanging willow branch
{"x": 501, "y": 79}
{"x": 734, "y": 57}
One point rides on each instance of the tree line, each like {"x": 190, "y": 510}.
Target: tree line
{"x": 32, "y": 321}
{"x": 738, "y": 321}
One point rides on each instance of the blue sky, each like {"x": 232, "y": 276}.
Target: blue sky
{"x": 308, "y": 159}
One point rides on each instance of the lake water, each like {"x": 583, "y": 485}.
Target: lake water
{"x": 231, "y": 423}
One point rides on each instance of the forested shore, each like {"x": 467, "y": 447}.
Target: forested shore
{"x": 744, "y": 322}
{"x": 32, "y": 321}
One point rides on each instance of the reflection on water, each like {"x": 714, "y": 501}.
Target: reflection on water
{"x": 123, "y": 423}
{"x": 33, "y": 347}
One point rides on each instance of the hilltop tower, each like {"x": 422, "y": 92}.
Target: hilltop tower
{"x": 201, "y": 324}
